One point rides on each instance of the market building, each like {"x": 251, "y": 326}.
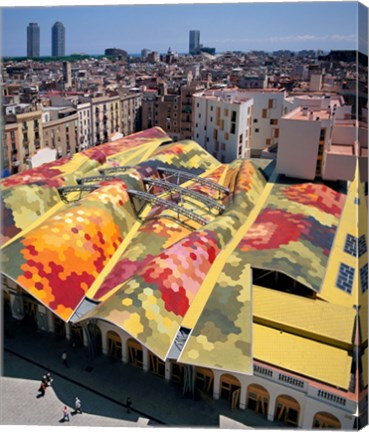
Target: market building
{"x": 231, "y": 280}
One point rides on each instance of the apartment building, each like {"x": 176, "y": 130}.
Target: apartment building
{"x": 222, "y": 123}
{"x": 11, "y": 148}
{"x": 84, "y": 125}
{"x": 329, "y": 142}
{"x": 186, "y": 124}
{"x": 23, "y": 138}
{"x": 267, "y": 110}
{"x": 62, "y": 134}
{"x": 106, "y": 118}
{"x": 131, "y": 106}
{"x": 163, "y": 109}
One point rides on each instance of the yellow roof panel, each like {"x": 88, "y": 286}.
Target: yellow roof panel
{"x": 302, "y": 356}
{"x": 303, "y": 316}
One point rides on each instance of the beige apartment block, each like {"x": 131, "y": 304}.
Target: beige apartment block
{"x": 131, "y": 112}
{"x": 62, "y": 135}
{"x": 24, "y": 139}
{"x": 11, "y": 149}
{"x": 106, "y": 118}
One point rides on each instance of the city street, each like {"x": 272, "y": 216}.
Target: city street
{"x": 102, "y": 385}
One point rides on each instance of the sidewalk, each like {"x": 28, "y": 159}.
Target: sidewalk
{"x": 103, "y": 386}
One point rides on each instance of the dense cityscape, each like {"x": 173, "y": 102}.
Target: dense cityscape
{"x": 200, "y": 216}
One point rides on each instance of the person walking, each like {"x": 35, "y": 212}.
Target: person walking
{"x": 65, "y": 359}
{"x": 129, "y": 404}
{"x": 66, "y": 414}
{"x": 42, "y": 389}
{"x": 77, "y": 406}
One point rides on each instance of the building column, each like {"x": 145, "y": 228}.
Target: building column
{"x": 85, "y": 336}
{"x": 67, "y": 330}
{"x": 50, "y": 321}
{"x": 271, "y": 407}
{"x": 145, "y": 355}
{"x": 242, "y": 404}
{"x": 104, "y": 342}
{"x": 167, "y": 370}
{"x": 216, "y": 385}
{"x": 125, "y": 355}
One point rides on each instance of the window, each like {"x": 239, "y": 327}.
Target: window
{"x": 271, "y": 103}
{"x": 226, "y": 136}
{"x": 351, "y": 245}
{"x": 268, "y": 141}
{"x": 215, "y": 133}
{"x": 199, "y": 115}
{"x": 322, "y": 135}
{"x": 234, "y": 116}
{"x": 255, "y": 120}
{"x": 364, "y": 278}
{"x": 345, "y": 278}
{"x": 256, "y": 130}
{"x": 198, "y": 105}
{"x": 223, "y": 146}
{"x": 226, "y": 112}
{"x": 211, "y": 119}
{"x": 276, "y": 133}
{"x": 362, "y": 245}
{"x": 240, "y": 139}
{"x": 233, "y": 128}
{"x": 211, "y": 107}
{"x": 273, "y": 121}
{"x": 264, "y": 113}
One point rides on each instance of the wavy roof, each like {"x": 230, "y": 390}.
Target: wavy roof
{"x": 155, "y": 271}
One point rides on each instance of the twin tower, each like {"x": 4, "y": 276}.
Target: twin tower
{"x": 57, "y": 40}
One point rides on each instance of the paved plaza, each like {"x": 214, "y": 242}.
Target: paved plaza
{"x": 103, "y": 385}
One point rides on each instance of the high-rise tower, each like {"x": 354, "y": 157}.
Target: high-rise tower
{"x": 194, "y": 41}
{"x": 58, "y": 40}
{"x": 33, "y": 40}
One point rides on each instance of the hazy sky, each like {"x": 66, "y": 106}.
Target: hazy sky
{"x": 247, "y": 26}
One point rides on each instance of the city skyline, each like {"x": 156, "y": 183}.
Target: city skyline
{"x": 326, "y": 26}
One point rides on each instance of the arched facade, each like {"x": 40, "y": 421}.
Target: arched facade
{"x": 287, "y": 410}
{"x": 230, "y": 389}
{"x": 324, "y": 420}
{"x": 135, "y": 353}
{"x": 114, "y": 345}
{"x": 257, "y": 399}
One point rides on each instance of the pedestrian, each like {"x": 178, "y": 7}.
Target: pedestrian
{"x": 65, "y": 414}
{"x": 49, "y": 380}
{"x": 129, "y": 404}
{"x": 44, "y": 380}
{"x": 65, "y": 359}
{"x": 77, "y": 406}
{"x": 42, "y": 389}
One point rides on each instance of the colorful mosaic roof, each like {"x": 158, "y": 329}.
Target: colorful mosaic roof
{"x": 309, "y": 214}
{"x": 152, "y": 271}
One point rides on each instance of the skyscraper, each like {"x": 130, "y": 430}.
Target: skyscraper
{"x": 194, "y": 41}
{"x": 33, "y": 40}
{"x": 58, "y": 40}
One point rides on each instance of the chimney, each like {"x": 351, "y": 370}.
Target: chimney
{"x": 311, "y": 115}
